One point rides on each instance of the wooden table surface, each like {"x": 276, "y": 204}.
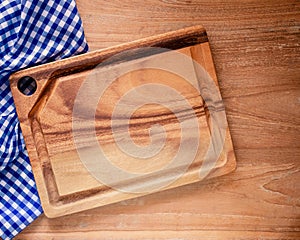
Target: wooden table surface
{"x": 255, "y": 46}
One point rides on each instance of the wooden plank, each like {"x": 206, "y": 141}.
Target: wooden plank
{"x": 188, "y": 235}
{"x": 255, "y": 45}
{"x": 166, "y": 87}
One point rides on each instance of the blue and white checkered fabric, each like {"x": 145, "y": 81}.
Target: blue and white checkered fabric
{"x": 31, "y": 33}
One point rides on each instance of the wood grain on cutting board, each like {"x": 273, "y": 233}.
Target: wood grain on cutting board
{"x": 256, "y": 53}
{"x": 89, "y": 132}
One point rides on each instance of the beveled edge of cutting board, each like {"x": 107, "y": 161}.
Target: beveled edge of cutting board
{"x": 171, "y": 40}
{"x": 44, "y": 74}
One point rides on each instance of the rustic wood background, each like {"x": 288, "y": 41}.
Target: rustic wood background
{"x": 255, "y": 46}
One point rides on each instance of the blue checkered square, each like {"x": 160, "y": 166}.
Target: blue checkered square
{"x": 31, "y": 33}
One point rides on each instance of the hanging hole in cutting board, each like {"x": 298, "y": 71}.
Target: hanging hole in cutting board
{"x": 27, "y": 85}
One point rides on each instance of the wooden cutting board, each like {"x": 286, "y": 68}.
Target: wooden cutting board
{"x": 123, "y": 122}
